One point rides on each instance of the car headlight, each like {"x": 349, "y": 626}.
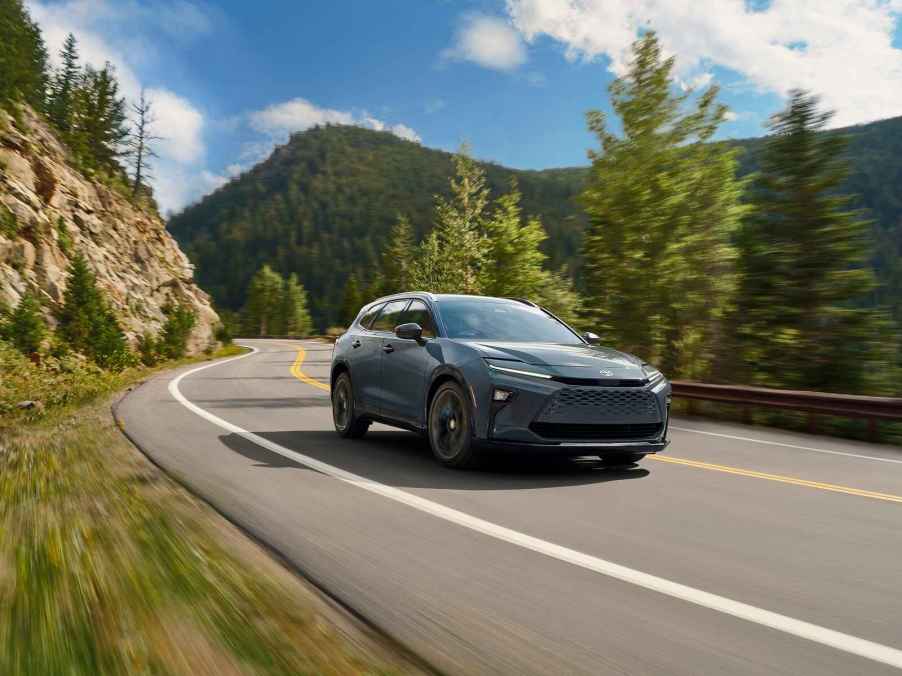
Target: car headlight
{"x": 515, "y": 368}
{"x": 651, "y": 373}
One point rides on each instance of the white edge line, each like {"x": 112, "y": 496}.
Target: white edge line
{"x": 785, "y": 445}
{"x": 828, "y": 637}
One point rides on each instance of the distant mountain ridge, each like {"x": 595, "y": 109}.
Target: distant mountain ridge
{"x": 322, "y": 205}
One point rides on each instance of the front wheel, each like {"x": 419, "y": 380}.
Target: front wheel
{"x": 344, "y": 415}
{"x": 449, "y": 427}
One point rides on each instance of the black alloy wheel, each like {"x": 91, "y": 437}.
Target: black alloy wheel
{"x": 449, "y": 427}
{"x": 347, "y": 423}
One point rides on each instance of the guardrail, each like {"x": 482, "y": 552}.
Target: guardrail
{"x": 872, "y": 409}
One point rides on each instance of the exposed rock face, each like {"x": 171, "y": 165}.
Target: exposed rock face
{"x": 57, "y": 212}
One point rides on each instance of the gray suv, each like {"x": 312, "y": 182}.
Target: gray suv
{"x": 473, "y": 372}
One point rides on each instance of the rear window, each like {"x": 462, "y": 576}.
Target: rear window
{"x": 390, "y": 316}
{"x": 369, "y": 315}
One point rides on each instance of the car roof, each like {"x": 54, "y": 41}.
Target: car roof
{"x": 437, "y": 297}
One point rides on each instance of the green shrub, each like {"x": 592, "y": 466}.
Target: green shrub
{"x": 64, "y": 239}
{"x": 25, "y": 328}
{"x": 9, "y": 226}
{"x": 180, "y": 319}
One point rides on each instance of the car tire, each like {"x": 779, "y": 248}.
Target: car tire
{"x": 344, "y": 414}
{"x": 449, "y": 427}
{"x": 621, "y": 459}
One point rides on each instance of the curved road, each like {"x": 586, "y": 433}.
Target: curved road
{"x": 741, "y": 551}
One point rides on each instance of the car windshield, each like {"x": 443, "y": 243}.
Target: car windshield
{"x": 510, "y": 321}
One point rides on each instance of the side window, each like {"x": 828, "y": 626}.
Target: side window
{"x": 418, "y": 313}
{"x": 390, "y": 316}
{"x": 369, "y": 315}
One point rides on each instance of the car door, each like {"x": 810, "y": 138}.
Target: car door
{"x": 404, "y": 368}
{"x": 381, "y": 330}
{"x": 365, "y": 359}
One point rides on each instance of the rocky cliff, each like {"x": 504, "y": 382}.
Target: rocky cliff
{"x": 49, "y": 211}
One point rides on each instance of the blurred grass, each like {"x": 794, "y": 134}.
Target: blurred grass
{"x": 106, "y": 567}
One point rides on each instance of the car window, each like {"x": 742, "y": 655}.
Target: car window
{"x": 418, "y": 313}
{"x": 369, "y": 315}
{"x": 390, "y": 316}
{"x": 498, "y": 319}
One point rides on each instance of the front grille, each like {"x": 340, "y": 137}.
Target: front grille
{"x": 602, "y": 382}
{"x": 596, "y": 432}
{"x": 597, "y": 405}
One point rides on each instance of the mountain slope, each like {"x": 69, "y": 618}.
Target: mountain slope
{"x": 49, "y": 211}
{"x": 323, "y": 204}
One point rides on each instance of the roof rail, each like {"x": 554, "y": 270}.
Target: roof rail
{"x": 526, "y": 301}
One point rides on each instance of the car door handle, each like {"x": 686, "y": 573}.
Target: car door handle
{"x": 388, "y": 348}
{"x": 356, "y": 343}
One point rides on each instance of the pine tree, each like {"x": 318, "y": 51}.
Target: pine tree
{"x": 180, "y": 320}
{"x": 63, "y": 88}
{"x": 351, "y": 301}
{"x": 103, "y": 125}
{"x": 397, "y": 258}
{"x": 261, "y": 314}
{"x": 662, "y": 205}
{"x": 25, "y": 327}
{"x": 803, "y": 253}
{"x": 23, "y": 57}
{"x": 514, "y": 260}
{"x": 450, "y": 259}
{"x": 87, "y": 323}
{"x": 141, "y": 144}
{"x": 295, "y": 316}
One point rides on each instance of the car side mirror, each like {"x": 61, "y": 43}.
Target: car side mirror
{"x": 591, "y": 338}
{"x": 410, "y": 331}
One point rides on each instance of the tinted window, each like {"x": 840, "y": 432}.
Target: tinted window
{"x": 502, "y": 320}
{"x": 369, "y": 315}
{"x": 390, "y": 316}
{"x": 418, "y": 313}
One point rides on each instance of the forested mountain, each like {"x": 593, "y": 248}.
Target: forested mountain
{"x": 322, "y": 206}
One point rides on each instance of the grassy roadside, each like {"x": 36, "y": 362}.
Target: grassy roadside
{"x": 108, "y": 567}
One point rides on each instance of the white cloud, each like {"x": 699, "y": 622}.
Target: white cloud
{"x": 840, "y": 49}
{"x": 112, "y": 32}
{"x": 280, "y": 120}
{"x": 730, "y": 116}
{"x": 488, "y": 41}
{"x": 435, "y": 105}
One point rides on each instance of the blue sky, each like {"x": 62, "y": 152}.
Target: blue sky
{"x": 513, "y": 78}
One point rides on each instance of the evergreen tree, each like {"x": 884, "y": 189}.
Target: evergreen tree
{"x": 450, "y": 259}
{"x": 662, "y": 204}
{"x": 397, "y": 258}
{"x": 803, "y": 277}
{"x": 23, "y": 57}
{"x": 87, "y": 323}
{"x": 352, "y": 301}
{"x": 261, "y": 315}
{"x": 180, "y": 320}
{"x": 103, "y": 126}
{"x": 295, "y": 316}
{"x": 556, "y": 293}
{"x": 64, "y": 86}
{"x": 513, "y": 258}
{"x": 25, "y": 327}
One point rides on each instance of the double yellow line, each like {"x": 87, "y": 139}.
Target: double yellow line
{"x": 738, "y": 471}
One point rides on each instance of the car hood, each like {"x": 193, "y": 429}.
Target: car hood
{"x": 563, "y": 356}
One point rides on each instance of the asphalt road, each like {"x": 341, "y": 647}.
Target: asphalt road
{"x": 741, "y": 551}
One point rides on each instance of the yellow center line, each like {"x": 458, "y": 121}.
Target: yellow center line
{"x": 834, "y": 488}
{"x": 779, "y": 478}
{"x": 303, "y": 377}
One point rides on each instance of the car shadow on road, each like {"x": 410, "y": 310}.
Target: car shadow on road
{"x": 403, "y": 459}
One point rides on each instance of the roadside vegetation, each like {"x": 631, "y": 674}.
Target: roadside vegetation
{"x": 107, "y": 567}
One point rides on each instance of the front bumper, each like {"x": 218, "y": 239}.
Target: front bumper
{"x": 548, "y": 415}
